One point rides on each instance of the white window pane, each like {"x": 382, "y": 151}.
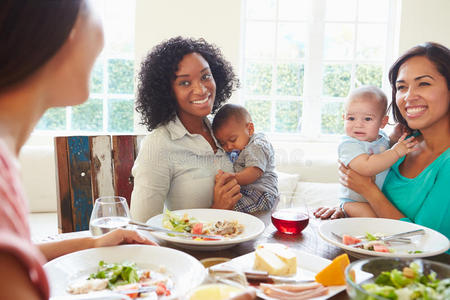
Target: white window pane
{"x": 294, "y": 10}
{"x": 370, "y": 10}
{"x": 260, "y": 112}
{"x": 261, "y": 9}
{"x": 332, "y": 122}
{"x": 288, "y": 116}
{"x": 291, "y": 40}
{"x": 119, "y": 27}
{"x": 260, "y": 39}
{"x": 258, "y": 78}
{"x": 290, "y": 79}
{"x": 88, "y": 116}
{"x": 340, "y": 10}
{"x": 369, "y": 47}
{"x": 368, "y": 74}
{"x": 339, "y": 40}
{"x": 336, "y": 80}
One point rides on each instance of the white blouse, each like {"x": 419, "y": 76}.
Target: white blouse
{"x": 175, "y": 168}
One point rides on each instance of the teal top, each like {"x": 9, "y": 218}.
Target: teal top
{"x": 425, "y": 199}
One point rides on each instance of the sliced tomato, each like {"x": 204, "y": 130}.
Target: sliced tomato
{"x": 350, "y": 240}
{"x": 380, "y": 248}
{"x": 161, "y": 289}
{"x": 197, "y": 229}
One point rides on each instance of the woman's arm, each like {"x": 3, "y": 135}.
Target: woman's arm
{"x": 367, "y": 188}
{"x": 14, "y": 279}
{"x": 119, "y": 236}
{"x": 226, "y": 191}
{"x": 151, "y": 179}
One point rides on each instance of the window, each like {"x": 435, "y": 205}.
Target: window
{"x": 111, "y": 102}
{"x": 302, "y": 57}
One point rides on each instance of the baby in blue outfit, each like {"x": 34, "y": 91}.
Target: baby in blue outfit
{"x": 252, "y": 156}
{"x": 365, "y": 148}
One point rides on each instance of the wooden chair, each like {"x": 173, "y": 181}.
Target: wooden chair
{"x": 88, "y": 167}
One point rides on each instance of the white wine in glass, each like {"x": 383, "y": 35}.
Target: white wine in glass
{"x": 108, "y": 214}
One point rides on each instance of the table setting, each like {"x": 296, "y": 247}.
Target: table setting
{"x": 276, "y": 254}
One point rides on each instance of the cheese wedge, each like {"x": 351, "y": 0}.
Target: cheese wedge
{"x": 333, "y": 274}
{"x": 269, "y": 262}
{"x": 276, "y": 259}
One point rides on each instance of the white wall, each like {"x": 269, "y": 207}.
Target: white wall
{"x": 423, "y": 21}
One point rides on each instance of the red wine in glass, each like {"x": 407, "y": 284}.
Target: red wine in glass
{"x": 290, "y": 221}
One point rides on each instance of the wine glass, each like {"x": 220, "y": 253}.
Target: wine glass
{"x": 291, "y": 215}
{"x": 108, "y": 214}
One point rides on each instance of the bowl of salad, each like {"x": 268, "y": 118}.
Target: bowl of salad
{"x": 397, "y": 278}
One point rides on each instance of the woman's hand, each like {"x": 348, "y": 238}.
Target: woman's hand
{"x": 329, "y": 213}
{"x": 121, "y": 236}
{"x": 355, "y": 181}
{"x": 226, "y": 191}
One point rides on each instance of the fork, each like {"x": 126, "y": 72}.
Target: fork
{"x": 395, "y": 240}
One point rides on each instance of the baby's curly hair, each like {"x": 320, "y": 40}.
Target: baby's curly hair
{"x": 155, "y": 99}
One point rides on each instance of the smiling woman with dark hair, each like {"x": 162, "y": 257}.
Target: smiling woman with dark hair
{"x": 180, "y": 163}
{"x": 416, "y": 188}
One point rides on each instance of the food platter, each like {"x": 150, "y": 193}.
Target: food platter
{"x": 429, "y": 244}
{"x": 178, "y": 265}
{"x": 308, "y": 265}
{"x": 253, "y": 227}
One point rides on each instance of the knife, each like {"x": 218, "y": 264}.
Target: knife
{"x": 143, "y": 226}
{"x": 394, "y": 236}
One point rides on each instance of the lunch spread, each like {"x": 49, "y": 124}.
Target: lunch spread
{"x": 276, "y": 259}
{"x": 188, "y": 224}
{"x": 410, "y": 283}
{"x": 333, "y": 274}
{"x": 125, "y": 278}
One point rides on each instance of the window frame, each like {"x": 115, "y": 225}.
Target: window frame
{"x": 314, "y": 63}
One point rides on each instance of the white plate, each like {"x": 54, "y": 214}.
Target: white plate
{"x": 431, "y": 243}
{"x": 253, "y": 227}
{"x": 178, "y": 265}
{"x": 308, "y": 265}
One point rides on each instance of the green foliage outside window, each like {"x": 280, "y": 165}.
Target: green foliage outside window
{"x": 290, "y": 79}
{"x": 287, "y": 116}
{"x": 368, "y": 75}
{"x": 96, "y": 83}
{"x": 121, "y": 75}
{"x": 53, "y": 119}
{"x": 332, "y": 122}
{"x": 88, "y": 116}
{"x": 120, "y": 115}
{"x": 258, "y": 79}
{"x": 336, "y": 80}
{"x": 260, "y": 112}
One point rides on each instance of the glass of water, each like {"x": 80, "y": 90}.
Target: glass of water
{"x": 108, "y": 214}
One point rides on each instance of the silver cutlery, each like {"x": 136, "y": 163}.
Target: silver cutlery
{"x": 143, "y": 226}
{"x": 394, "y": 236}
{"x": 363, "y": 237}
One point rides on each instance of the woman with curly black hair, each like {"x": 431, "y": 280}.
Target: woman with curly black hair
{"x": 180, "y": 164}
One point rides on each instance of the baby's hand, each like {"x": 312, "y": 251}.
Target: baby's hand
{"x": 405, "y": 146}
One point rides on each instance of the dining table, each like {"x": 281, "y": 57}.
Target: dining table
{"x": 308, "y": 241}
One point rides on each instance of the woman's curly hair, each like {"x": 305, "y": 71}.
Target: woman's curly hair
{"x": 155, "y": 99}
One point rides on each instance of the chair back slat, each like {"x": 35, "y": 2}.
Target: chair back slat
{"x": 80, "y": 180}
{"x": 124, "y": 155}
{"x": 88, "y": 167}
{"x": 102, "y": 166}
{"x": 64, "y": 203}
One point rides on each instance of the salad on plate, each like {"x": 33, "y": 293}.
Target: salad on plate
{"x": 410, "y": 283}
{"x": 189, "y": 224}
